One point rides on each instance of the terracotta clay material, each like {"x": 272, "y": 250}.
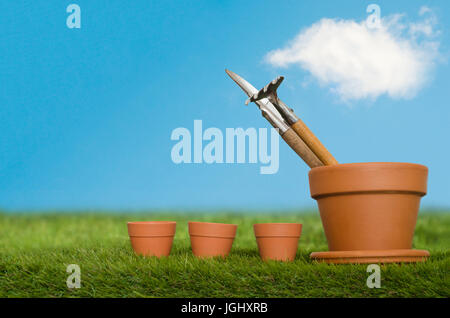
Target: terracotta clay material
{"x": 371, "y": 256}
{"x": 369, "y": 206}
{"x": 211, "y": 239}
{"x": 277, "y": 241}
{"x": 152, "y": 238}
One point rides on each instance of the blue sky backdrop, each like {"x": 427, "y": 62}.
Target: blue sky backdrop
{"x": 86, "y": 114}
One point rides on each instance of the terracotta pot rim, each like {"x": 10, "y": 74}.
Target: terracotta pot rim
{"x": 212, "y": 230}
{"x": 352, "y": 165}
{"x": 151, "y": 228}
{"x": 151, "y": 236}
{"x": 151, "y": 222}
{"x": 210, "y": 223}
{"x": 368, "y": 178}
{"x": 375, "y": 191}
{"x": 279, "y": 223}
{"x": 277, "y": 230}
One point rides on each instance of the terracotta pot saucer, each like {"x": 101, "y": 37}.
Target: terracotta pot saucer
{"x": 371, "y": 256}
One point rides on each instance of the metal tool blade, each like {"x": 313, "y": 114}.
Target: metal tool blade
{"x": 248, "y": 88}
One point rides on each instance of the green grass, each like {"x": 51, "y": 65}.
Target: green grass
{"x": 35, "y": 250}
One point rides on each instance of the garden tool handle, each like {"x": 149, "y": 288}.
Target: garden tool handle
{"x": 299, "y": 146}
{"x": 313, "y": 143}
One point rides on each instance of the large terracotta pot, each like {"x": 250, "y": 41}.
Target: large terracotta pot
{"x": 369, "y": 206}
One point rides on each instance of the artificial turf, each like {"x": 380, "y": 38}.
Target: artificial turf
{"x": 35, "y": 250}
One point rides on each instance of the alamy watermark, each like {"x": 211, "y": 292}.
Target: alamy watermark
{"x": 374, "y": 279}
{"x": 213, "y": 146}
{"x": 73, "y": 20}
{"x": 74, "y": 279}
{"x": 373, "y": 21}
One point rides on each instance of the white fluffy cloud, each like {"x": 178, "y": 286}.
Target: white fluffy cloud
{"x": 357, "y": 62}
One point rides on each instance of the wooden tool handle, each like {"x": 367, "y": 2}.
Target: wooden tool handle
{"x": 299, "y": 146}
{"x": 314, "y": 143}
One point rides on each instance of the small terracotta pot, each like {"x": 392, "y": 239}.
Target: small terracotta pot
{"x": 152, "y": 238}
{"x": 211, "y": 239}
{"x": 369, "y": 206}
{"x": 277, "y": 241}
